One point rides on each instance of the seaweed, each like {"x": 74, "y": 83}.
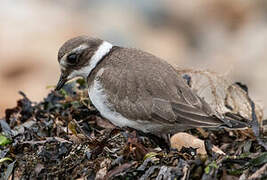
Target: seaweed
{"x": 65, "y": 137}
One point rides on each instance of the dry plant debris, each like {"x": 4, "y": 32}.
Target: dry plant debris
{"x": 64, "y": 137}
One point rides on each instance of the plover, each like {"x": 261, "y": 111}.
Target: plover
{"x": 133, "y": 88}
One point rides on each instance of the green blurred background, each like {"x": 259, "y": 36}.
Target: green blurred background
{"x": 229, "y": 37}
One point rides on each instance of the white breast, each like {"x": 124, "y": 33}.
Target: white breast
{"x": 99, "y": 100}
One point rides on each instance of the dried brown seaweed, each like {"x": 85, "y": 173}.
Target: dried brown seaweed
{"x": 61, "y": 137}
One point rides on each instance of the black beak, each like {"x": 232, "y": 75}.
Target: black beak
{"x": 62, "y": 80}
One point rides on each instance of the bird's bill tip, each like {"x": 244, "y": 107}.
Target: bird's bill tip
{"x": 61, "y": 82}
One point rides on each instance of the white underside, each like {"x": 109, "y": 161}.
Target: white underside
{"x": 99, "y": 100}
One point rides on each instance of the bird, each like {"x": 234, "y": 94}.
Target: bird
{"x": 133, "y": 88}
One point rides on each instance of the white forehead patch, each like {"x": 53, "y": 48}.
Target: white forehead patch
{"x": 102, "y": 50}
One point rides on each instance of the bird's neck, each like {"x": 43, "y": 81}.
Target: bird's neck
{"x": 102, "y": 51}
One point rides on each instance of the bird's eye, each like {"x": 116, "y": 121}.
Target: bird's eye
{"x": 72, "y": 59}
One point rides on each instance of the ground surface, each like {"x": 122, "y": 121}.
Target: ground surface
{"x": 64, "y": 137}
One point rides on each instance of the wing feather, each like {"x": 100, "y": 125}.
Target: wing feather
{"x": 160, "y": 96}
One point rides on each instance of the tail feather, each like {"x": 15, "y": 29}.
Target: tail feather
{"x": 235, "y": 124}
{"x": 192, "y": 117}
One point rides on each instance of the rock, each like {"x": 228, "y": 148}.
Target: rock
{"x": 182, "y": 139}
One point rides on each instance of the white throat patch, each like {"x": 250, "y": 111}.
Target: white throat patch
{"x": 102, "y": 50}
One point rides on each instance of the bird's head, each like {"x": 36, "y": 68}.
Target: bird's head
{"x": 79, "y": 56}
